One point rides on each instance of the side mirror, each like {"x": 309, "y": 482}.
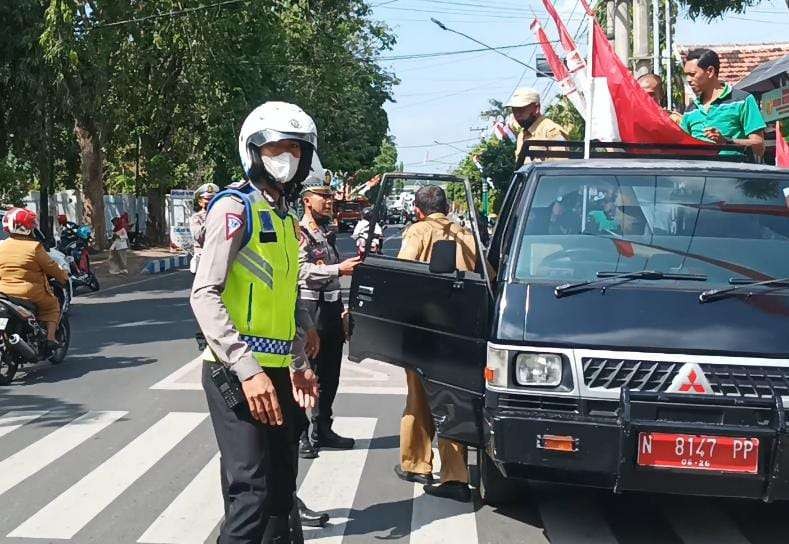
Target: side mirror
{"x": 443, "y": 259}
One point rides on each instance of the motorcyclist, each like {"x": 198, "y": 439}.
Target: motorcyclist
{"x": 362, "y": 229}
{"x": 25, "y": 267}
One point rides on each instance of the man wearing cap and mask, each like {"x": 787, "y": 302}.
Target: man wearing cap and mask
{"x": 203, "y": 195}
{"x": 530, "y": 124}
{"x": 256, "y": 376}
{"x": 320, "y": 295}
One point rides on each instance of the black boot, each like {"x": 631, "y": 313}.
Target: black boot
{"x": 306, "y": 449}
{"x": 311, "y": 518}
{"x": 324, "y": 437}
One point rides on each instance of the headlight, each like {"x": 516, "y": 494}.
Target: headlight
{"x": 538, "y": 369}
{"x": 496, "y": 368}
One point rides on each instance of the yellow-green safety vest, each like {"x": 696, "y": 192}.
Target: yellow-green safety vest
{"x": 262, "y": 286}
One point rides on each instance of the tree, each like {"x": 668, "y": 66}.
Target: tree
{"x": 716, "y": 8}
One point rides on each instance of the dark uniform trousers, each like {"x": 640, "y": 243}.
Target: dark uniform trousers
{"x": 328, "y": 322}
{"x": 259, "y": 464}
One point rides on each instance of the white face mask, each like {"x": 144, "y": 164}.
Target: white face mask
{"x": 282, "y": 167}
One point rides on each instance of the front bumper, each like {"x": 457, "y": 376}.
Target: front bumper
{"x": 607, "y": 434}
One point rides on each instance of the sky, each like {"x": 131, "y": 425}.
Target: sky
{"x": 439, "y": 99}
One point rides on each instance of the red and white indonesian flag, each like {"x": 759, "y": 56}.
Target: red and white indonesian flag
{"x": 566, "y": 81}
{"x": 621, "y": 107}
{"x": 575, "y": 61}
{"x": 781, "y": 149}
{"x": 503, "y": 132}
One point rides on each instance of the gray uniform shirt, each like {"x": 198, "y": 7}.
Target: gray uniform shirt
{"x": 319, "y": 268}
{"x": 223, "y": 239}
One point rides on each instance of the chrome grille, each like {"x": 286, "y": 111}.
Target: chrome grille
{"x": 747, "y": 381}
{"x": 656, "y": 376}
{"x": 636, "y": 375}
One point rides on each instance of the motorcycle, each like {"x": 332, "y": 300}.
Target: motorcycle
{"x": 23, "y": 339}
{"x": 74, "y": 243}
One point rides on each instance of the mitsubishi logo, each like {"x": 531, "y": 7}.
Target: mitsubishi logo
{"x": 690, "y": 379}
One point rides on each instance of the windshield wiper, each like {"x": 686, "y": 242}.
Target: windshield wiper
{"x": 606, "y": 277}
{"x": 715, "y": 294}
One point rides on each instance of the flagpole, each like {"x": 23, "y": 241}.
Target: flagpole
{"x": 590, "y": 98}
{"x": 669, "y": 74}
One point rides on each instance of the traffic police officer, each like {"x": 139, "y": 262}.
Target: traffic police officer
{"x": 244, "y": 298}
{"x": 320, "y": 269}
{"x": 203, "y": 195}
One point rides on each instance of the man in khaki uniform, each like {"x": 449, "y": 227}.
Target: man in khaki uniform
{"x": 416, "y": 426}
{"x": 531, "y": 124}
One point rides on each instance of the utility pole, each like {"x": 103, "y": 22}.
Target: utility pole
{"x": 610, "y": 11}
{"x": 641, "y": 37}
{"x": 656, "y": 67}
{"x": 622, "y": 31}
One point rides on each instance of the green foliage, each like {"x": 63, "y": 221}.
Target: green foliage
{"x": 712, "y": 9}
{"x": 385, "y": 161}
{"x": 564, "y": 113}
{"x": 15, "y": 180}
{"x": 497, "y": 158}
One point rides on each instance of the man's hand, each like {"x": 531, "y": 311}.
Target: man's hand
{"x": 262, "y": 399}
{"x": 305, "y": 388}
{"x": 715, "y": 135}
{"x": 346, "y": 323}
{"x": 312, "y": 343}
{"x": 348, "y": 265}
{"x": 374, "y": 181}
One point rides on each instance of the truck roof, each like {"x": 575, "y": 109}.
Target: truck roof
{"x": 653, "y": 164}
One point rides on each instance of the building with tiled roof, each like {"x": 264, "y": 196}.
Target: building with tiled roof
{"x": 738, "y": 60}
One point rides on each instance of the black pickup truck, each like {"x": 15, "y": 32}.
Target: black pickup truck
{"x": 627, "y": 327}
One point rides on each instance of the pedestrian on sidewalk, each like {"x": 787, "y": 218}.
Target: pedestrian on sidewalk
{"x": 320, "y": 295}
{"x": 119, "y": 247}
{"x": 416, "y": 427}
{"x": 256, "y": 376}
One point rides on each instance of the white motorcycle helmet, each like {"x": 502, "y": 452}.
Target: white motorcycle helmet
{"x": 273, "y": 122}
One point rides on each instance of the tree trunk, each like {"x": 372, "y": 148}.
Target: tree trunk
{"x": 157, "y": 225}
{"x": 91, "y": 163}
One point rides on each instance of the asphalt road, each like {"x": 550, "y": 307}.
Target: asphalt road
{"x": 115, "y": 446}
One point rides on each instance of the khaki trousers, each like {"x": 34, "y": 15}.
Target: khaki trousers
{"x": 416, "y": 438}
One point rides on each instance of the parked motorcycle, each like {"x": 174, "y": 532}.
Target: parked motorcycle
{"x": 74, "y": 243}
{"x": 23, "y": 340}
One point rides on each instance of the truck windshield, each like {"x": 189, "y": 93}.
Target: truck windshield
{"x": 729, "y": 229}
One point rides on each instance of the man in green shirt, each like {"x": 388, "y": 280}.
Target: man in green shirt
{"x": 719, "y": 113}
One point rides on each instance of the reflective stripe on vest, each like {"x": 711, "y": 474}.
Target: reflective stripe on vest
{"x": 261, "y": 288}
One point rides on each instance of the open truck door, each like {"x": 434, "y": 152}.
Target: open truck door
{"x": 427, "y": 317}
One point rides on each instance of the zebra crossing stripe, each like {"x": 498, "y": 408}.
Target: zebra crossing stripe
{"x": 36, "y": 456}
{"x": 193, "y": 514}
{"x": 13, "y": 420}
{"x": 333, "y": 478}
{"x": 441, "y": 521}
{"x": 74, "y": 508}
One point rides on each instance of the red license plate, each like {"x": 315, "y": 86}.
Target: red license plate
{"x": 697, "y": 452}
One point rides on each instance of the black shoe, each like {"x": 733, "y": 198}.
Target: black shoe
{"x": 413, "y": 476}
{"x": 306, "y": 449}
{"x": 457, "y": 491}
{"x": 324, "y": 437}
{"x": 311, "y": 518}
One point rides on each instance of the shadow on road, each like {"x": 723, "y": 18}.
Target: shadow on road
{"x": 77, "y": 367}
{"x": 59, "y": 412}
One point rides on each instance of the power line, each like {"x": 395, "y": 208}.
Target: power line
{"x": 418, "y": 56}
{"x": 170, "y": 14}
{"x": 434, "y": 145}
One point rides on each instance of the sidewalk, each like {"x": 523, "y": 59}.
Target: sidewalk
{"x": 136, "y": 259}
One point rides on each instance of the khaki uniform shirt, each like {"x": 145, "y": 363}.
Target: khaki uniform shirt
{"x": 419, "y": 238}
{"x": 541, "y": 129}
{"x": 197, "y": 228}
{"x": 223, "y": 240}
